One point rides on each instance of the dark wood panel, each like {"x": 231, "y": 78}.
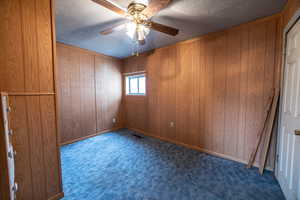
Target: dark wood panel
{"x": 101, "y": 97}
{"x": 89, "y": 92}
{"x": 44, "y": 46}
{"x": 218, "y": 90}
{"x": 87, "y": 95}
{"x": 63, "y": 96}
{"x": 114, "y": 84}
{"x": 30, "y": 62}
{"x": 108, "y": 92}
{"x": 76, "y": 93}
{"x": 35, "y": 139}
{"x": 50, "y": 143}
{"x": 135, "y": 109}
{"x": 12, "y": 77}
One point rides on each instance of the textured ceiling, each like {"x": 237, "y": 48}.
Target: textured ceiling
{"x": 78, "y": 22}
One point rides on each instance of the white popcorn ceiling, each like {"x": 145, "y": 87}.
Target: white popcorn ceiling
{"x": 78, "y": 22}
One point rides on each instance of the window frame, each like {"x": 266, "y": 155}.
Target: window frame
{"x": 138, "y": 76}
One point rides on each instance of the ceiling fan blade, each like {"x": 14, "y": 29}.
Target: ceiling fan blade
{"x": 155, "y": 6}
{"x": 164, "y": 29}
{"x": 111, "y": 6}
{"x": 114, "y": 28}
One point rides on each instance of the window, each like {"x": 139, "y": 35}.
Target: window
{"x": 136, "y": 85}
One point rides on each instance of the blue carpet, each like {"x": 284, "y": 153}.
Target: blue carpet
{"x": 119, "y": 166}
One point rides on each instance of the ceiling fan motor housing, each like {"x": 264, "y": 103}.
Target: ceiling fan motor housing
{"x": 135, "y": 10}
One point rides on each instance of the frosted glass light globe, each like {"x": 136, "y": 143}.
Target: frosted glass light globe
{"x": 145, "y": 2}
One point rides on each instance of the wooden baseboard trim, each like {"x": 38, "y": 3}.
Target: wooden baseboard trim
{"x": 196, "y": 148}
{"x": 89, "y": 136}
{"x": 57, "y": 196}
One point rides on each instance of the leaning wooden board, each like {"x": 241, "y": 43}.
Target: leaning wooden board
{"x": 268, "y": 134}
{"x": 261, "y": 133}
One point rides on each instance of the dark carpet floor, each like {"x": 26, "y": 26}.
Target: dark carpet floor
{"x": 119, "y": 166}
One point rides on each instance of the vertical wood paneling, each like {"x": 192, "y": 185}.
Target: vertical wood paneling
{"x": 221, "y": 85}
{"x": 202, "y": 92}
{"x": 233, "y": 87}
{"x": 90, "y": 92}
{"x": 255, "y": 98}
{"x": 219, "y": 77}
{"x": 184, "y": 96}
{"x": 36, "y": 146}
{"x": 27, "y": 66}
{"x": 100, "y": 71}
{"x": 64, "y": 90}
{"x": 44, "y": 46}
{"x": 243, "y": 93}
{"x": 195, "y": 128}
{"x": 108, "y": 92}
{"x": 113, "y": 88}
{"x": 153, "y": 91}
{"x": 167, "y": 76}
{"x": 30, "y": 58}
{"x": 87, "y": 95}
{"x": 270, "y": 76}
{"x": 209, "y": 93}
{"x": 135, "y": 109}
{"x": 50, "y": 143}
{"x": 75, "y": 94}
{"x": 11, "y": 38}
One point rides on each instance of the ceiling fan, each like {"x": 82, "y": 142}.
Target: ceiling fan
{"x": 139, "y": 14}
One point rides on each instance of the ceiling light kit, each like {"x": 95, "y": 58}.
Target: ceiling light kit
{"x": 139, "y": 14}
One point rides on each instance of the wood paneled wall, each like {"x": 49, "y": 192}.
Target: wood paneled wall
{"x": 27, "y": 74}
{"x": 214, "y": 88}
{"x": 89, "y": 93}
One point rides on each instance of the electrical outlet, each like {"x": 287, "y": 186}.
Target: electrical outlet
{"x": 172, "y": 124}
{"x": 114, "y": 120}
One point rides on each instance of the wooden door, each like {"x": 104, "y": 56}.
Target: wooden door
{"x": 288, "y": 169}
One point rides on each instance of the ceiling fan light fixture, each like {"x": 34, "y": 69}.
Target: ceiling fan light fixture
{"x": 131, "y": 29}
{"x": 142, "y": 32}
{"x": 137, "y": 31}
{"x": 144, "y": 2}
{"x": 139, "y": 13}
